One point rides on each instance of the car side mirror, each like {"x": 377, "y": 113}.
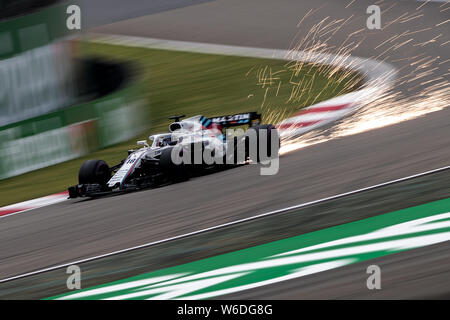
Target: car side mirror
{"x": 142, "y": 143}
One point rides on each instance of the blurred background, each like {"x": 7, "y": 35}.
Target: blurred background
{"x": 55, "y": 104}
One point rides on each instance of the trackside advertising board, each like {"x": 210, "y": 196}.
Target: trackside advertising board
{"x": 72, "y": 132}
{"x": 35, "y": 66}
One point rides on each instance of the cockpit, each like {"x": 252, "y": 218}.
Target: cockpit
{"x": 161, "y": 140}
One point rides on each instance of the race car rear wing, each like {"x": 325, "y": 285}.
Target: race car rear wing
{"x": 249, "y": 118}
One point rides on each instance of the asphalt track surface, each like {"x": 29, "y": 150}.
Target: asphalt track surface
{"x": 79, "y": 229}
{"x": 100, "y": 12}
{"x": 254, "y": 231}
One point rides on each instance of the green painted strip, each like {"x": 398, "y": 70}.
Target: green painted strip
{"x": 25, "y": 36}
{"x": 285, "y": 259}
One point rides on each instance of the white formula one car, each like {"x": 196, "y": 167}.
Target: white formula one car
{"x": 193, "y": 145}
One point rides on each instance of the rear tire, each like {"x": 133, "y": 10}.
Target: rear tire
{"x": 231, "y": 159}
{"x": 174, "y": 172}
{"x": 94, "y": 171}
{"x": 267, "y": 129}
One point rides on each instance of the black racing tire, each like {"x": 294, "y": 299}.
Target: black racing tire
{"x": 231, "y": 159}
{"x": 175, "y": 172}
{"x": 94, "y": 171}
{"x": 268, "y": 131}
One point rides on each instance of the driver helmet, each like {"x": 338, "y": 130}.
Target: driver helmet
{"x": 165, "y": 141}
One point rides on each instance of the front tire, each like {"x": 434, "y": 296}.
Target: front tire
{"x": 94, "y": 172}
